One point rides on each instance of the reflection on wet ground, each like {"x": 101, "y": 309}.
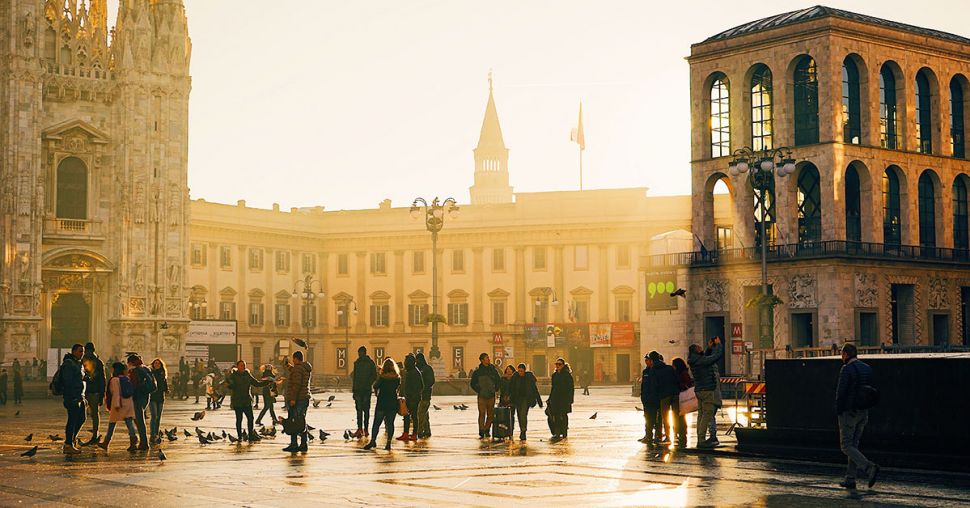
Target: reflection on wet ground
{"x": 600, "y": 464}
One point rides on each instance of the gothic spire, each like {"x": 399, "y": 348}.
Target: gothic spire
{"x": 491, "y": 134}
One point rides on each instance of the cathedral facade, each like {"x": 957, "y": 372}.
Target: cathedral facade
{"x": 93, "y": 171}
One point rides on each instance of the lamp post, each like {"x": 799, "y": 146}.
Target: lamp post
{"x": 200, "y": 307}
{"x": 762, "y": 166}
{"x": 434, "y": 219}
{"x": 304, "y": 291}
{"x": 546, "y": 293}
{"x": 340, "y": 312}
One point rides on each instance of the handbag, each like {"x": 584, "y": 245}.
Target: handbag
{"x": 402, "y": 406}
{"x": 687, "y": 401}
{"x": 294, "y": 424}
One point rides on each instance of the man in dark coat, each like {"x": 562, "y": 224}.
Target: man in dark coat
{"x": 298, "y": 397}
{"x": 485, "y": 382}
{"x": 427, "y": 375}
{"x": 94, "y": 390}
{"x": 3, "y": 387}
{"x": 560, "y": 401}
{"x": 72, "y": 390}
{"x": 363, "y": 377}
{"x": 524, "y": 395}
{"x": 853, "y": 413}
{"x": 667, "y": 387}
{"x": 650, "y": 398}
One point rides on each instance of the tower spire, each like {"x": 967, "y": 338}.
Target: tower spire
{"x": 491, "y": 158}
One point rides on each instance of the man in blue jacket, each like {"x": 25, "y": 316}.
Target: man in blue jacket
{"x": 853, "y": 412}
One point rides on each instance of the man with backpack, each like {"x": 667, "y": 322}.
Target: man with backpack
{"x": 854, "y": 396}
{"x": 145, "y": 385}
{"x": 485, "y": 382}
{"x": 94, "y": 389}
{"x": 69, "y": 382}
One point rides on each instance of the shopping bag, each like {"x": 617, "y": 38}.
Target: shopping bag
{"x": 687, "y": 402}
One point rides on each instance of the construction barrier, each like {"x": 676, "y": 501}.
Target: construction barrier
{"x": 755, "y": 393}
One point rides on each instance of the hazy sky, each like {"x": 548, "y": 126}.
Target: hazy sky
{"x": 345, "y": 103}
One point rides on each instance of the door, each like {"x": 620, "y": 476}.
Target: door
{"x": 714, "y": 326}
{"x": 70, "y": 321}
{"x": 803, "y": 329}
{"x": 622, "y": 369}
{"x": 581, "y": 360}
{"x": 941, "y": 329}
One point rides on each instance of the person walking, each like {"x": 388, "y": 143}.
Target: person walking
{"x": 3, "y": 387}
{"x": 241, "y": 382}
{"x": 705, "y": 382}
{"x": 298, "y": 397}
{"x": 424, "y": 407}
{"x": 95, "y": 383}
{"x": 485, "y": 382}
{"x": 18, "y": 387}
{"x": 118, "y": 400}
{"x": 505, "y": 387}
{"x": 560, "y": 401}
{"x": 523, "y": 395}
{"x": 386, "y": 406}
{"x": 71, "y": 384}
{"x": 668, "y": 388}
{"x": 184, "y": 374}
{"x": 269, "y": 395}
{"x": 144, "y": 383}
{"x": 363, "y": 378}
{"x": 585, "y": 379}
{"x": 412, "y": 389}
{"x": 684, "y": 381}
{"x": 157, "y": 402}
{"x": 854, "y": 396}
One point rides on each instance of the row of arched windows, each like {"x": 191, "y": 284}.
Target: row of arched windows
{"x": 805, "y": 102}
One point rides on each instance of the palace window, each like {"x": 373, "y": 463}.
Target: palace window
{"x": 458, "y": 314}
{"x": 418, "y": 314}
{"x": 806, "y": 101}
{"x": 343, "y": 264}
{"x": 498, "y": 260}
{"x": 623, "y": 256}
{"x": 282, "y": 314}
{"x": 957, "y": 119}
{"x": 72, "y": 189}
{"x": 853, "y": 206}
{"x": 199, "y": 254}
{"x": 720, "y": 117}
{"x": 308, "y": 315}
{"x": 888, "y": 115}
{"x": 458, "y": 261}
{"x": 809, "y": 205}
{"x": 624, "y": 308}
{"x": 892, "y": 223}
{"x": 927, "y": 211}
{"x": 581, "y": 257}
{"x": 255, "y": 259}
{"x": 961, "y": 233}
{"x": 761, "y": 130}
{"x": 378, "y": 263}
{"x": 380, "y": 314}
{"x": 417, "y": 262}
{"x": 227, "y": 311}
{"x": 498, "y": 312}
{"x": 924, "y": 129}
{"x": 309, "y": 262}
{"x": 768, "y": 197}
{"x": 538, "y": 258}
{"x": 255, "y": 314}
{"x": 851, "y": 103}
{"x": 282, "y": 261}
{"x": 225, "y": 256}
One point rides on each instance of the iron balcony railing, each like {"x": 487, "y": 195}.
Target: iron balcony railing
{"x": 810, "y": 250}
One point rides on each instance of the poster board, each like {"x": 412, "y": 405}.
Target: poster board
{"x": 213, "y": 339}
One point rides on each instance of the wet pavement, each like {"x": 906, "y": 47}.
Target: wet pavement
{"x": 600, "y": 464}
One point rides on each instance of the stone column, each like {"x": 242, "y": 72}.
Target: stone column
{"x": 398, "y": 296}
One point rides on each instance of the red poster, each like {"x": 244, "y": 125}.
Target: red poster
{"x": 623, "y": 335}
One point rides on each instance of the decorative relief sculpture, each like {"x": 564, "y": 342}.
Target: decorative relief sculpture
{"x": 715, "y": 295}
{"x": 139, "y": 202}
{"x": 30, "y": 30}
{"x": 174, "y": 206}
{"x": 139, "y": 278}
{"x": 939, "y": 296}
{"x": 802, "y": 291}
{"x": 24, "y": 192}
{"x": 174, "y": 274}
{"x": 136, "y": 305}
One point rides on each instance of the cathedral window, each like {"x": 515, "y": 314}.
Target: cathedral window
{"x": 72, "y": 189}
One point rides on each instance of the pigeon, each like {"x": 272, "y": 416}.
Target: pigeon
{"x": 29, "y": 453}
{"x": 301, "y": 343}
{"x": 310, "y": 427}
{"x": 244, "y": 436}
{"x": 161, "y": 455}
{"x": 323, "y": 436}
{"x": 329, "y": 404}
{"x": 346, "y": 435}
{"x": 681, "y": 292}
{"x": 594, "y": 416}
{"x": 232, "y": 439}
{"x": 462, "y": 407}
{"x": 29, "y": 437}
{"x": 199, "y": 431}
{"x": 55, "y": 438}
{"x": 638, "y": 408}
{"x": 203, "y": 440}
{"x": 456, "y": 408}
{"x": 187, "y": 434}
{"x": 309, "y": 436}
{"x": 331, "y": 398}
{"x": 224, "y": 434}
{"x": 198, "y": 415}
{"x": 436, "y": 408}
{"x": 316, "y": 403}
{"x": 17, "y": 413}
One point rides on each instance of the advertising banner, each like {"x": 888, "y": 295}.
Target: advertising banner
{"x": 216, "y": 338}
{"x": 623, "y": 335}
{"x": 659, "y": 287}
{"x": 577, "y": 334}
{"x": 534, "y": 335}
{"x": 600, "y": 334}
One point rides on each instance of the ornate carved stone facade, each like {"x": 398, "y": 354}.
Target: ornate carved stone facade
{"x": 94, "y": 205}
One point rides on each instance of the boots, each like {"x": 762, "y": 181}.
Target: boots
{"x": 95, "y": 439}
{"x": 133, "y": 444}
{"x": 103, "y": 444}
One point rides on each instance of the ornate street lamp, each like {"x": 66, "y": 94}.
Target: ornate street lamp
{"x": 762, "y": 166}
{"x": 546, "y": 293}
{"x": 434, "y": 220}
{"x": 307, "y": 295}
{"x": 350, "y": 305}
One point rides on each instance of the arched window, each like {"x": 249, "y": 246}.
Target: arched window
{"x": 720, "y": 117}
{"x": 957, "y": 129}
{"x": 851, "y": 104}
{"x": 761, "y": 108}
{"x": 888, "y": 127}
{"x": 809, "y": 205}
{"x": 927, "y": 211}
{"x": 924, "y": 122}
{"x": 768, "y": 196}
{"x": 961, "y": 228}
{"x": 853, "y": 206}
{"x": 806, "y": 101}
{"x": 891, "y": 222}
{"x": 72, "y": 189}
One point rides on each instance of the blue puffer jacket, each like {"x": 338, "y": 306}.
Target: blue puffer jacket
{"x": 704, "y": 368}
{"x": 72, "y": 378}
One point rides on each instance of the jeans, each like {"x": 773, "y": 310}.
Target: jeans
{"x": 75, "y": 419}
{"x": 651, "y": 414}
{"x": 155, "y": 407}
{"x": 140, "y": 405}
{"x": 111, "y": 430}
{"x": 413, "y": 418}
{"x": 663, "y": 420}
{"x": 486, "y": 413}
{"x": 851, "y": 425}
{"x": 94, "y": 411}
{"x": 299, "y": 409}
{"x": 362, "y": 404}
{"x": 705, "y": 413}
{"x": 521, "y": 411}
{"x": 267, "y": 406}
{"x": 680, "y": 422}
{"x": 424, "y": 423}
{"x": 387, "y": 418}
{"x": 248, "y": 411}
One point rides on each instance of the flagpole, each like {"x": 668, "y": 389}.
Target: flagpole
{"x": 580, "y": 168}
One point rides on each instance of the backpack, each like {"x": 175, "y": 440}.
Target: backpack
{"x": 57, "y": 383}
{"x": 146, "y": 382}
{"x": 866, "y": 397}
{"x": 127, "y": 389}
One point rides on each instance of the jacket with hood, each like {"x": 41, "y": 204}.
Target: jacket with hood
{"x": 386, "y": 390}
{"x": 364, "y": 375}
{"x": 72, "y": 379}
{"x": 298, "y": 384}
{"x": 427, "y": 375}
{"x": 413, "y": 382}
{"x": 94, "y": 369}
{"x": 704, "y": 368}
{"x": 240, "y": 383}
{"x": 665, "y": 378}
{"x": 562, "y": 392}
{"x": 524, "y": 390}
{"x": 488, "y": 376}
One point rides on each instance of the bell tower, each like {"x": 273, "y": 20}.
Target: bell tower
{"x": 491, "y": 159}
